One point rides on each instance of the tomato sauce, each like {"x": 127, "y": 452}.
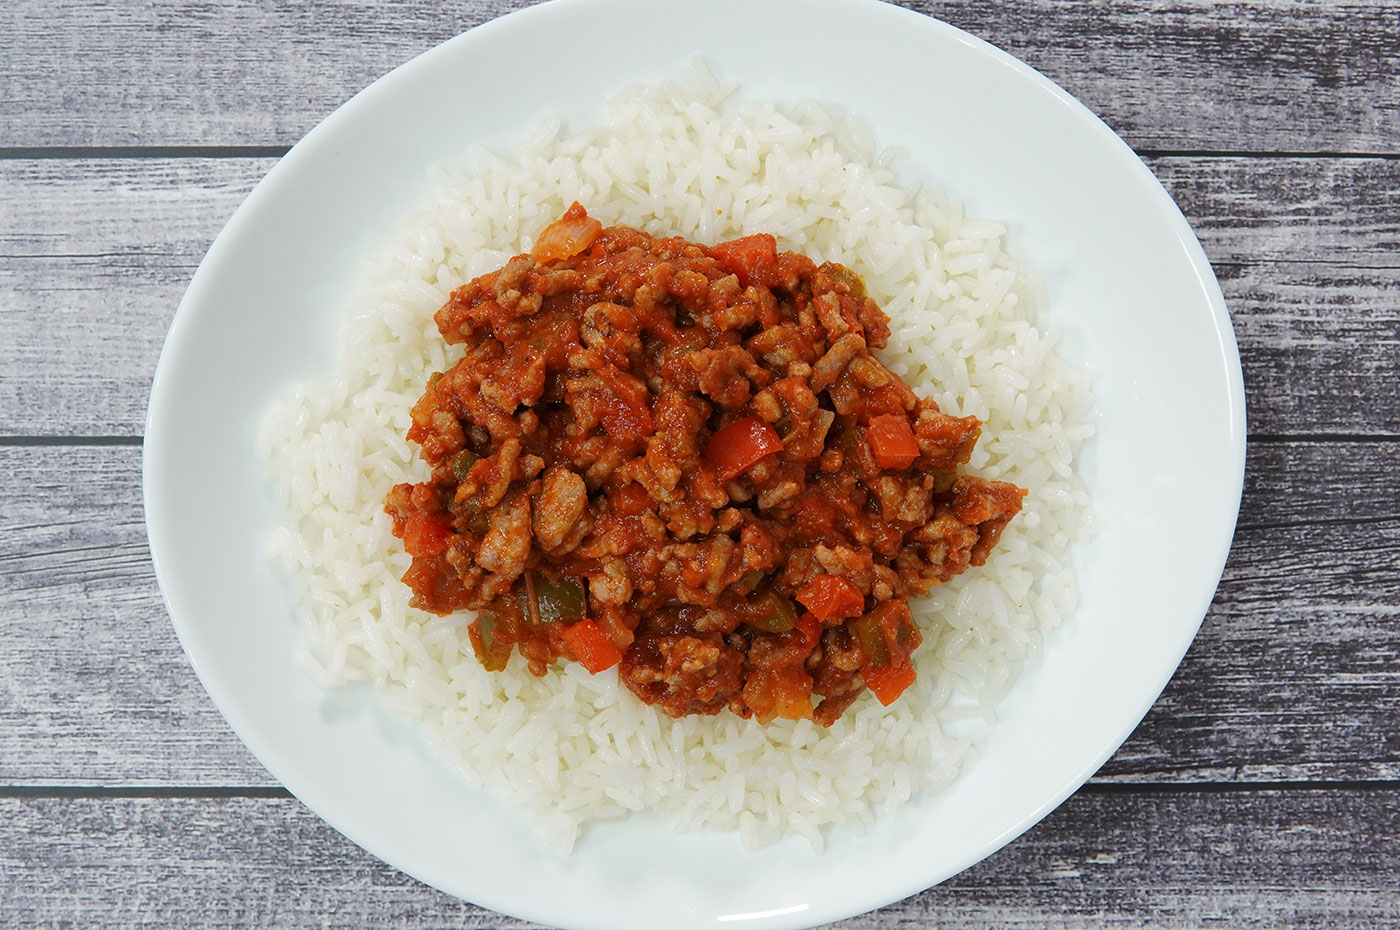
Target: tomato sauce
{"x": 686, "y": 462}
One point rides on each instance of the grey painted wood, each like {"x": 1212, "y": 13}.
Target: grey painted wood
{"x": 1295, "y": 674}
{"x": 1166, "y": 74}
{"x": 1311, "y": 858}
{"x": 95, "y": 254}
{"x": 94, "y": 257}
{"x": 1311, "y": 210}
{"x": 1261, "y": 790}
{"x": 94, "y": 688}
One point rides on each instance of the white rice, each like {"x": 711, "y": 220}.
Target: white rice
{"x": 695, "y": 159}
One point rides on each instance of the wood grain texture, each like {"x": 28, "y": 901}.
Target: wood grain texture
{"x": 94, "y": 688}
{"x": 1260, "y": 791}
{"x": 1307, "y": 252}
{"x": 1294, "y": 676}
{"x": 94, "y": 257}
{"x": 1146, "y": 860}
{"x": 1296, "y": 671}
{"x": 1265, "y": 76}
{"x": 95, "y": 254}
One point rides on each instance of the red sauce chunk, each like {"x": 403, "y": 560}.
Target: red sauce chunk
{"x": 686, "y": 463}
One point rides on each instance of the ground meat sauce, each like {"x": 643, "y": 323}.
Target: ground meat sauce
{"x": 685, "y": 461}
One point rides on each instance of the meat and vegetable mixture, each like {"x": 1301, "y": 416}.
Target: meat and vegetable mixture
{"x": 685, "y": 461}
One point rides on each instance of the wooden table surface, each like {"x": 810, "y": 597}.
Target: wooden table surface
{"x": 1261, "y": 790}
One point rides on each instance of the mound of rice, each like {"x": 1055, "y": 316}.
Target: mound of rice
{"x": 688, "y": 158}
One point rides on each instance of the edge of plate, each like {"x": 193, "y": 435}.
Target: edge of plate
{"x": 895, "y": 890}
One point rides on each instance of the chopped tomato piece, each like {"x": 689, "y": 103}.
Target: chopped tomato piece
{"x": 892, "y": 441}
{"x": 831, "y": 597}
{"x": 793, "y": 695}
{"x": 436, "y": 585}
{"x": 881, "y": 401}
{"x": 591, "y": 647}
{"x": 567, "y": 236}
{"x": 626, "y": 414}
{"x": 887, "y": 683}
{"x": 426, "y": 534}
{"x": 754, "y": 259}
{"x": 815, "y": 516}
{"x": 785, "y": 692}
{"x": 630, "y": 499}
{"x": 810, "y": 629}
{"x": 740, "y": 446}
{"x": 623, "y": 420}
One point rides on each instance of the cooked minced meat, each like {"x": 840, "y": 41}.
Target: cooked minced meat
{"x": 685, "y": 461}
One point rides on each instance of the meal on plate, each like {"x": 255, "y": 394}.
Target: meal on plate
{"x": 743, "y": 431}
{"x": 686, "y": 462}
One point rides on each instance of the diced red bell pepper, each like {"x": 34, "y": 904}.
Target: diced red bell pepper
{"x": 426, "y": 534}
{"x": 892, "y": 441}
{"x": 741, "y": 445}
{"x": 591, "y": 647}
{"x": 754, "y": 259}
{"x": 887, "y": 683}
{"x": 831, "y": 597}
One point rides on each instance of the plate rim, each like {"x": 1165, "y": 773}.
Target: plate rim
{"x": 1214, "y": 298}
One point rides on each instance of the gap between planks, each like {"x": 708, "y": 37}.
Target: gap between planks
{"x": 142, "y": 151}
{"x": 71, "y": 441}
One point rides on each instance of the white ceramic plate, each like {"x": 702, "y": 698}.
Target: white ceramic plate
{"x": 1129, "y": 285}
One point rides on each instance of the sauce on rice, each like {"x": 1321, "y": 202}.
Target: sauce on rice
{"x": 685, "y": 461}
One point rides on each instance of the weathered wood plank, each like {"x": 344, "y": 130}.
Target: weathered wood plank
{"x": 1148, "y": 860}
{"x": 95, "y": 255}
{"x": 1295, "y": 675}
{"x": 1320, "y": 346}
{"x": 94, "y": 688}
{"x": 93, "y": 261}
{"x": 1314, "y": 210}
{"x": 1294, "y": 678}
{"x": 1311, "y": 272}
{"x": 1166, "y": 74}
